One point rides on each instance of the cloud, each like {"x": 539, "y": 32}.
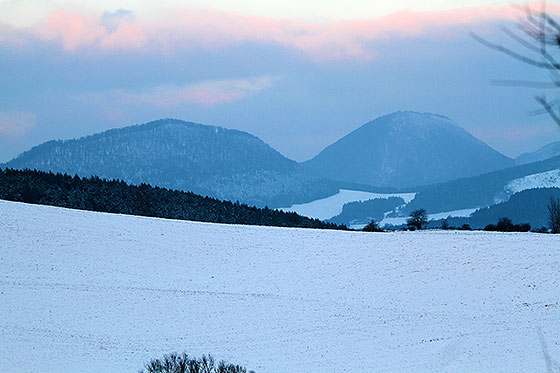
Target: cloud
{"x": 16, "y": 123}
{"x": 207, "y": 93}
{"x": 85, "y": 29}
{"x": 185, "y": 28}
{"x": 112, "y": 20}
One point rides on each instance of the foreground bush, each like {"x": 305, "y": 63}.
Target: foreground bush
{"x": 174, "y": 363}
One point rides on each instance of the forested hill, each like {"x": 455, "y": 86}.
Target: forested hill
{"x": 115, "y": 196}
{"x": 529, "y": 206}
{"x": 207, "y": 160}
{"x": 478, "y": 191}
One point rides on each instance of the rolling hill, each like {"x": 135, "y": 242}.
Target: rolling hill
{"x": 529, "y": 206}
{"x": 207, "y": 160}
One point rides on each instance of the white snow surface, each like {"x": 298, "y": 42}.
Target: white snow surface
{"x": 329, "y": 207}
{"x": 93, "y": 292}
{"x": 549, "y": 179}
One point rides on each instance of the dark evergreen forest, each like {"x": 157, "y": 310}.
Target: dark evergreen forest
{"x": 116, "y": 196}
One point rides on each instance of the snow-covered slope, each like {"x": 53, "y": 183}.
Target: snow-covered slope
{"x": 90, "y": 292}
{"x": 326, "y": 208}
{"x": 549, "y": 179}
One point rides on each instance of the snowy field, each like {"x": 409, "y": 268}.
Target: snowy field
{"x": 93, "y": 292}
{"x": 329, "y": 207}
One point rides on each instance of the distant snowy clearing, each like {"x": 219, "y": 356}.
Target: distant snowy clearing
{"x": 549, "y": 179}
{"x": 93, "y": 292}
{"x": 329, "y": 207}
{"x": 436, "y": 216}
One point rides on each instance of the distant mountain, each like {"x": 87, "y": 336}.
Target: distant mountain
{"x": 406, "y": 149}
{"x": 208, "y": 160}
{"x": 488, "y": 189}
{"x": 546, "y": 152}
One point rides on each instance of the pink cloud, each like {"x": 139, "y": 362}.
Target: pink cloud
{"x": 183, "y": 29}
{"x": 126, "y": 36}
{"x": 84, "y": 29}
{"x": 72, "y": 29}
{"x": 207, "y": 93}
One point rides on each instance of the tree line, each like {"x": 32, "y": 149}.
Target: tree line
{"x": 116, "y": 196}
{"x": 418, "y": 220}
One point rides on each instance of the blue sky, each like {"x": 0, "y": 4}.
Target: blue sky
{"x": 298, "y": 76}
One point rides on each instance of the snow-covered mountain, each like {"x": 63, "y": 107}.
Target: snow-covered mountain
{"x": 406, "y": 149}
{"x": 208, "y": 160}
{"x": 547, "y": 151}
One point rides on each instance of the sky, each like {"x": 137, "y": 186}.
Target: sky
{"x": 297, "y": 74}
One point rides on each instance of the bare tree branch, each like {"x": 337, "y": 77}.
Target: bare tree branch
{"x": 517, "y": 56}
{"x": 520, "y": 40}
{"x": 552, "y": 22}
{"x": 526, "y": 84}
{"x": 541, "y": 36}
{"x": 537, "y": 112}
{"x": 549, "y": 108}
